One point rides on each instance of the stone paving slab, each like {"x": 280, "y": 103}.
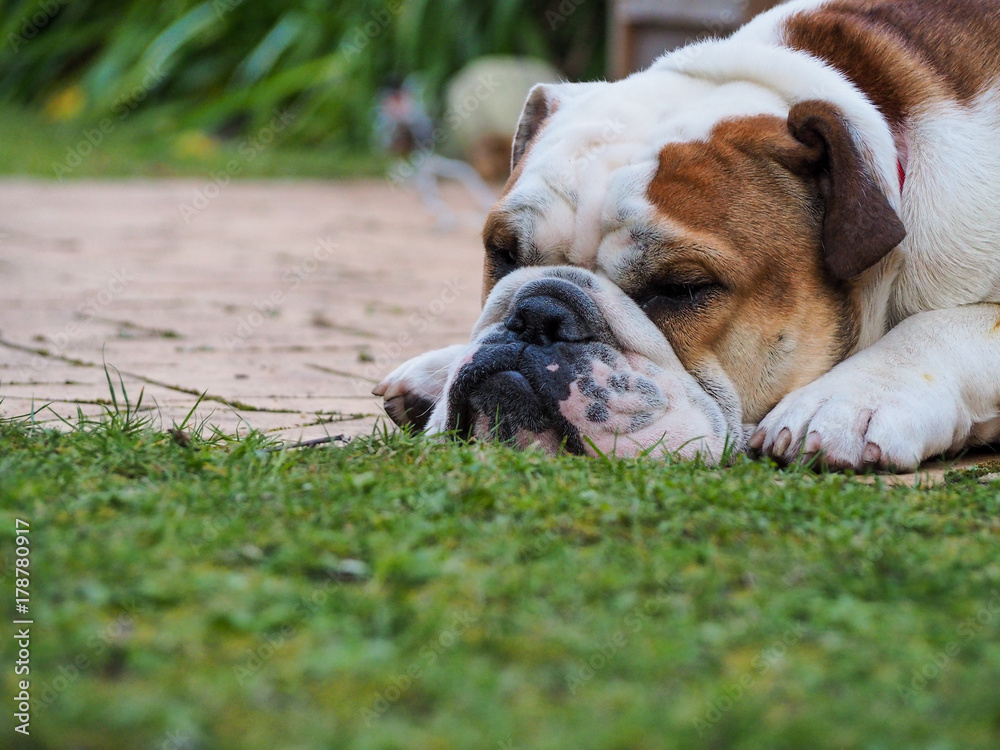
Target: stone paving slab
{"x": 283, "y": 302}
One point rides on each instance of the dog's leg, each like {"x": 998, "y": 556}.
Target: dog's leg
{"x": 413, "y": 389}
{"x": 929, "y": 386}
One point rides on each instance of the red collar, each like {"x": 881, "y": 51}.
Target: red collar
{"x": 902, "y": 174}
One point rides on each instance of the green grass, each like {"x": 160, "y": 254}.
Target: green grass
{"x": 148, "y": 144}
{"x": 398, "y": 593}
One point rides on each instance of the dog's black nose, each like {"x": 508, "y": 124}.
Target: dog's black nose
{"x": 544, "y": 320}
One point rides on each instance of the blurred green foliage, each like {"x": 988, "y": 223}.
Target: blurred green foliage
{"x": 224, "y": 66}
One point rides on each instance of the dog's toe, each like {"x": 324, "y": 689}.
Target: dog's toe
{"x": 409, "y": 410}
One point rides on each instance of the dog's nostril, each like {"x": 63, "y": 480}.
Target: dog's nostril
{"x": 515, "y": 323}
{"x": 545, "y": 320}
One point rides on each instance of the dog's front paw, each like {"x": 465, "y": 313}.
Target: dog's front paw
{"x": 413, "y": 389}
{"x": 853, "y": 419}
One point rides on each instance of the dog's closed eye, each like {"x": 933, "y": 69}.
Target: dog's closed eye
{"x": 503, "y": 254}
{"x": 677, "y": 296}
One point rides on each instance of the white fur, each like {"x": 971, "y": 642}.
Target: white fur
{"x": 765, "y": 28}
{"x": 794, "y": 77}
{"x": 952, "y": 208}
{"x": 586, "y": 176}
{"x": 587, "y": 173}
{"x": 932, "y": 383}
{"x": 424, "y": 376}
{"x": 927, "y": 387}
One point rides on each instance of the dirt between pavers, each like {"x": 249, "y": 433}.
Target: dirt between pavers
{"x": 283, "y": 302}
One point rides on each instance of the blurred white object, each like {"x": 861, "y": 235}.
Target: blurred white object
{"x": 435, "y": 167}
{"x": 483, "y": 103}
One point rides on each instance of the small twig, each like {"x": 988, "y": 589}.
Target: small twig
{"x": 312, "y": 443}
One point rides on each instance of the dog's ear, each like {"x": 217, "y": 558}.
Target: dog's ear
{"x": 541, "y": 103}
{"x": 860, "y": 227}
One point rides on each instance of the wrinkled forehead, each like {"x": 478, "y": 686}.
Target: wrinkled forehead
{"x": 582, "y": 187}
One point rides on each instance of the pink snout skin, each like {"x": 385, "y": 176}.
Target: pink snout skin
{"x": 654, "y": 416}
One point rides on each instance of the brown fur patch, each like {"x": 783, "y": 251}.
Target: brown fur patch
{"x": 902, "y": 53}
{"x": 499, "y": 238}
{"x": 539, "y": 107}
{"x": 497, "y": 233}
{"x": 860, "y": 227}
{"x": 753, "y": 225}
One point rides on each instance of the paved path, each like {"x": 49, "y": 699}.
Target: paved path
{"x": 285, "y": 302}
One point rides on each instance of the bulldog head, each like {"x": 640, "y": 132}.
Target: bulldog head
{"x": 670, "y": 257}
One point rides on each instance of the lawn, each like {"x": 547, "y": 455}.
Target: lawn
{"x": 217, "y": 592}
{"x": 148, "y": 144}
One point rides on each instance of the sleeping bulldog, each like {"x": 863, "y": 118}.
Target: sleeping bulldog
{"x": 785, "y": 242}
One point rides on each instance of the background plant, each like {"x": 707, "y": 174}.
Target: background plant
{"x": 223, "y": 66}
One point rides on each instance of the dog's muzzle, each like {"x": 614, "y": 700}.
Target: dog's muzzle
{"x": 524, "y": 369}
{"x": 566, "y": 361}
